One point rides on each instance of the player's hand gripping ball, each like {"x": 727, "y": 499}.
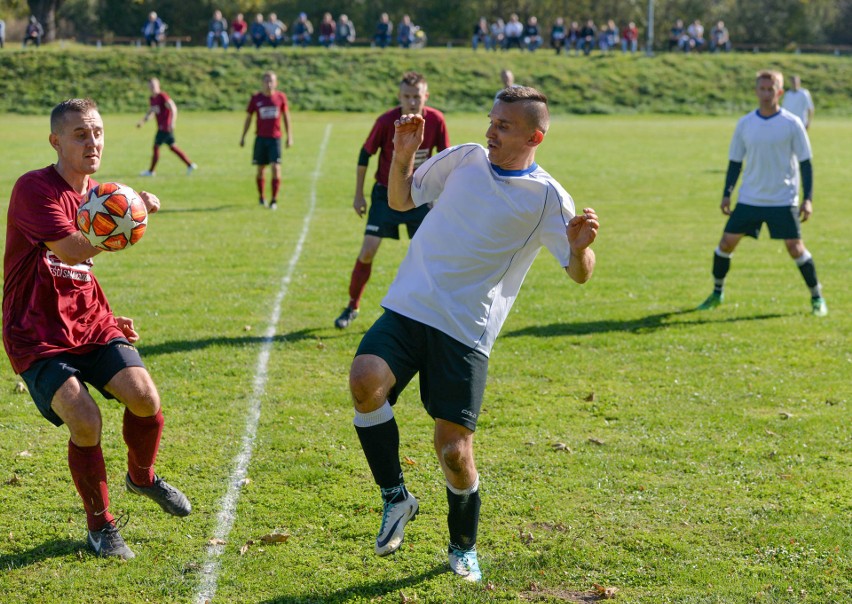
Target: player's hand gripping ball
{"x": 113, "y": 217}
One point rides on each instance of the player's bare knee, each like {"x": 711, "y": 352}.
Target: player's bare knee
{"x": 368, "y": 394}
{"x": 795, "y": 247}
{"x": 456, "y": 455}
{"x": 85, "y": 426}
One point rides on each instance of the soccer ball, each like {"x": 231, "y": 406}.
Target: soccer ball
{"x": 113, "y": 217}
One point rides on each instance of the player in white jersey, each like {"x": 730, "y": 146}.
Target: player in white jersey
{"x": 775, "y": 147}
{"x": 493, "y": 210}
{"x": 798, "y": 101}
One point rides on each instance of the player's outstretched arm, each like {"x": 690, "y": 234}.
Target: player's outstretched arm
{"x": 582, "y": 231}
{"x": 246, "y": 127}
{"x": 407, "y": 138}
{"x": 73, "y": 249}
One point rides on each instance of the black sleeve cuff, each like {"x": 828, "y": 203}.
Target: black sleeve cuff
{"x": 807, "y": 173}
{"x": 363, "y": 157}
{"x": 734, "y": 168}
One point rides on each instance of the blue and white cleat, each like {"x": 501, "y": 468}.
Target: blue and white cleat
{"x": 465, "y": 564}
{"x": 395, "y": 517}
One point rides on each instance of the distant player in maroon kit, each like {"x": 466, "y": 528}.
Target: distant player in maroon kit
{"x": 270, "y": 105}
{"x": 60, "y": 333}
{"x": 383, "y": 222}
{"x": 166, "y": 111}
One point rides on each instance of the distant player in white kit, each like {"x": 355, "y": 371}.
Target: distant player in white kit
{"x": 798, "y": 101}
{"x": 774, "y": 145}
{"x": 494, "y": 209}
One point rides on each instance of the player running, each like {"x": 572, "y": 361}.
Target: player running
{"x": 776, "y": 149}
{"x": 165, "y": 109}
{"x": 60, "y": 333}
{"x": 494, "y": 209}
{"x": 382, "y": 221}
{"x": 270, "y": 105}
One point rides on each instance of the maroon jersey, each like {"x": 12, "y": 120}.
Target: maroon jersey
{"x": 270, "y": 110}
{"x": 435, "y": 137}
{"x": 160, "y": 105}
{"x": 49, "y": 307}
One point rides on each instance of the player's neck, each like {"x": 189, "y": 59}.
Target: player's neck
{"x": 76, "y": 180}
{"x": 769, "y": 110}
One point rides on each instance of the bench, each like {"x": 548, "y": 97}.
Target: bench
{"x": 137, "y": 41}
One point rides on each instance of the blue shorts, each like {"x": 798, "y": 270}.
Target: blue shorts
{"x": 452, "y": 375}
{"x": 382, "y": 221}
{"x": 266, "y": 151}
{"x": 97, "y": 368}
{"x": 783, "y": 221}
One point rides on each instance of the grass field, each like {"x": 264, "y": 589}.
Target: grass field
{"x": 708, "y": 455}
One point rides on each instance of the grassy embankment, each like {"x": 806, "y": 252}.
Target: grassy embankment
{"x": 364, "y": 79}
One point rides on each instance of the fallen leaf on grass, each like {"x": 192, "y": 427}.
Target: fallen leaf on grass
{"x": 560, "y": 447}
{"x": 771, "y": 433}
{"x": 406, "y": 599}
{"x": 20, "y": 388}
{"x": 14, "y": 480}
{"x": 246, "y": 546}
{"x": 605, "y": 592}
{"x": 525, "y": 537}
{"x": 275, "y": 538}
{"x": 247, "y": 328}
{"x": 595, "y": 441}
{"x": 245, "y": 481}
{"x": 25, "y": 454}
{"x": 785, "y": 415}
{"x": 409, "y": 461}
{"x": 590, "y": 398}
{"x": 489, "y": 586}
{"x": 216, "y": 541}
{"x": 320, "y": 344}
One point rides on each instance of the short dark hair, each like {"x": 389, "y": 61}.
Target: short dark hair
{"x": 535, "y": 103}
{"x": 413, "y": 78}
{"x": 57, "y": 116}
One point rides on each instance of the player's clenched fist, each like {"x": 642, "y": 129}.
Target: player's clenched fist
{"x": 408, "y": 133}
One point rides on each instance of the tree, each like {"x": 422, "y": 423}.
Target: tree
{"x": 45, "y": 11}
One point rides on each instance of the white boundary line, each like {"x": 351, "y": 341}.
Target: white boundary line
{"x": 227, "y": 513}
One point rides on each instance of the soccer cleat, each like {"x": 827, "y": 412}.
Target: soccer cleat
{"x": 191, "y": 168}
{"x": 712, "y": 301}
{"x": 465, "y": 564}
{"x": 346, "y": 317}
{"x": 107, "y": 543}
{"x": 169, "y": 498}
{"x": 394, "y": 519}
{"x": 147, "y": 173}
{"x": 262, "y": 202}
{"x": 273, "y": 205}
{"x": 818, "y": 307}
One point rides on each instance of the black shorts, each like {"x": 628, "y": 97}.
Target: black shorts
{"x": 384, "y": 222}
{"x": 266, "y": 151}
{"x": 97, "y": 368}
{"x": 452, "y": 375}
{"x": 783, "y": 221}
{"x": 164, "y": 138}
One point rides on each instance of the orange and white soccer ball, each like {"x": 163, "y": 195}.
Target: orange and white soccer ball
{"x": 113, "y": 218}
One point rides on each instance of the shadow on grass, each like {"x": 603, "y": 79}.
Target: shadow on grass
{"x": 365, "y": 590}
{"x": 641, "y": 325}
{"x": 56, "y": 548}
{"x": 186, "y": 210}
{"x": 238, "y": 342}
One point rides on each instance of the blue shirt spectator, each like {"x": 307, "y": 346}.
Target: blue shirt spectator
{"x": 154, "y": 30}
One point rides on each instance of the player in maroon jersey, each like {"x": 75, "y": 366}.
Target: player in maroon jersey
{"x": 166, "y": 111}
{"x": 270, "y": 105}
{"x": 61, "y": 334}
{"x": 382, "y": 221}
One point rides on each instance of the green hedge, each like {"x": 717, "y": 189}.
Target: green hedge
{"x": 356, "y": 79}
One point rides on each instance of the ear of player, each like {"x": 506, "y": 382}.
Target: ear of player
{"x": 113, "y": 217}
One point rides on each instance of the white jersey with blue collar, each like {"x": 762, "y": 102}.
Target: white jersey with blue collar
{"x": 466, "y": 264}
